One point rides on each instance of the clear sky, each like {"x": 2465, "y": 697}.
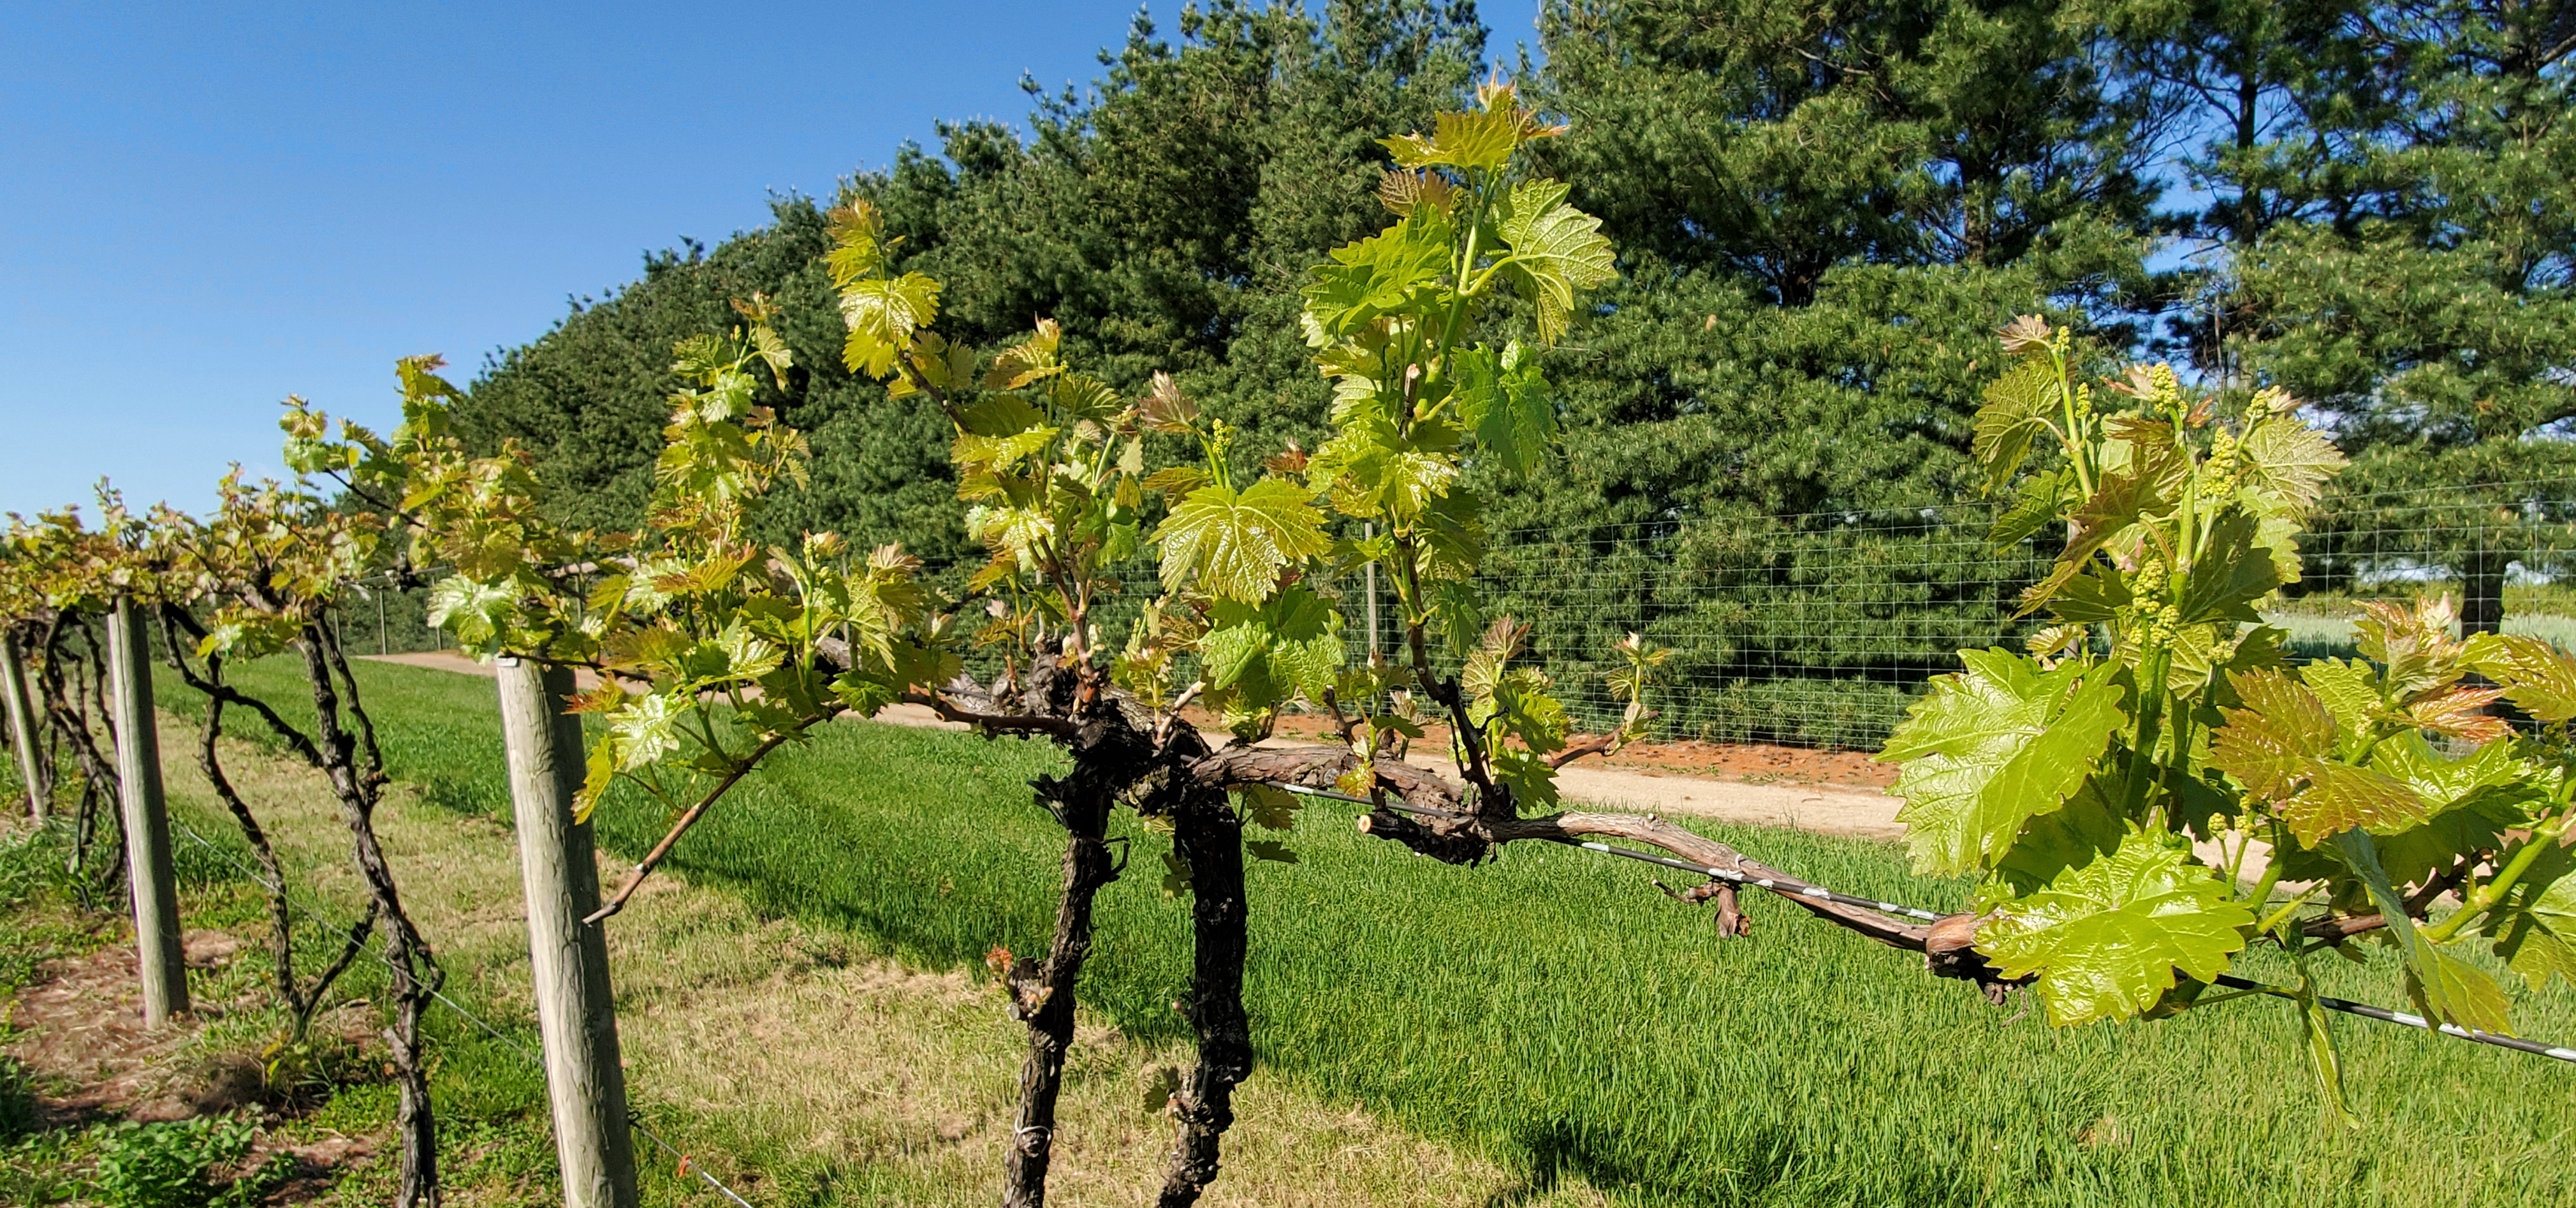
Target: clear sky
{"x": 209, "y": 207}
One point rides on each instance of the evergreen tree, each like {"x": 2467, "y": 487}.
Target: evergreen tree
{"x": 2430, "y": 309}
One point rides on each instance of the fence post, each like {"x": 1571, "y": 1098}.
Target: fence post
{"x": 147, "y": 821}
{"x": 575, "y": 1014}
{"x": 22, "y": 731}
{"x": 1369, "y": 531}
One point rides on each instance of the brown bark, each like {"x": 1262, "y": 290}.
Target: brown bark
{"x": 1431, "y": 821}
{"x": 300, "y": 1001}
{"x": 1044, "y": 991}
{"x": 1208, "y": 835}
{"x": 413, "y": 973}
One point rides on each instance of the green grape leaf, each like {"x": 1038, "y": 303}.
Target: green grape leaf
{"x": 2286, "y": 463}
{"x": 1371, "y": 469}
{"x": 477, "y": 613}
{"x": 1993, "y": 746}
{"x": 1235, "y": 544}
{"x": 1503, "y": 400}
{"x": 1558, "y": 252}
{"x": 2348, "y": 688}
{"x": 596, "y": 777}
{"x": 2535, "y": 930}
{"x": 2106, "y": 938}
{"x": 2086, "y": 828}
{"x": 2017, "y": 409}
{"x": 2033, "y": 507}
{"x": 1379, "y": 274}
{"x": 2536, "y": 675}
{"x": 2236, "y": 572}
{"x": 1001, "y": 415}
{"x": 1473, "y": 140}
{"x": 2442, "y": 986}
{"x": 882, "y": 315}
{"x": 2117, "y": 504}
{"x": 1265, "y": 652}
{"x": 1268, "y": 807}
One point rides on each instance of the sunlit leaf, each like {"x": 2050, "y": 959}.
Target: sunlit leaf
{"x": 2108, "y": 938}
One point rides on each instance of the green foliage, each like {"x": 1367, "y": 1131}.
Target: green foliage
{"x": 176, "y": 1165}
{"x": 1689, "y": 1072}
{"x": 2156, "y": 709}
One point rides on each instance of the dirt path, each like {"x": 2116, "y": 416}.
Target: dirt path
{"x": 1825, "y": 809}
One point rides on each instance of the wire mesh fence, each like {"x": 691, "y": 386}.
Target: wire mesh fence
{"x": 1819, "y": 629}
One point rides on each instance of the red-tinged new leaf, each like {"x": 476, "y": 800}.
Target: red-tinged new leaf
{"x": 2460, "y": 713}
{"x": 2275, "y": 743}
{"x": 2340, "y": 797}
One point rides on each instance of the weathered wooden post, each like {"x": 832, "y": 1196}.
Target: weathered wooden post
{"x": 575, "y": 1014}
{"x": 147, "y": 821}
{"x": 23, "y": 731}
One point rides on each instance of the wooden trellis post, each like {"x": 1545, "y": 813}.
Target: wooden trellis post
{"x": 575, "y": 1013}
{"x": 147, "y": 822}
{"x": 23, "y": 730}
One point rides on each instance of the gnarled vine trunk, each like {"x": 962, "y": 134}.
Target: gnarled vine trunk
{"x": 355, "y": 768}
{"x": 1208, "y": 835}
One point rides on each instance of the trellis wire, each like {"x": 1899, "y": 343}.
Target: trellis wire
{"x": 1791, "y": 887}
{"x": 633, "y": 1120}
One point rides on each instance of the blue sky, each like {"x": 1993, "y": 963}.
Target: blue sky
{"x": 211, "y": 207}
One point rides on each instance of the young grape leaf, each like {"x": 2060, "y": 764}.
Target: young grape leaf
{"x": 2279, "y": 745}
{"x": 2286, "y": 463}
{"x": 2237, "y": 571}
{"x": 2349, "y": 689}
{"x": 2443, "y": 986}
{"x": 1287, "y": 644}
{"x": 2341, "y": 797}
{"x": 2106, "y": 938}
{"x": 1379, "y": 274}
{"x": 2535, "y": 932}
{"x": 882, "y": 316}
{"x": 2017, "y": 409}
{"x": 1473, "y": 140}
{"x": 1234, "y": 544}
{"x": 1992, "y": 746}
{"x": 1558, "y": 252}
{"x": 1503, "y": 400}
{"x": 2536, "y": 675}
{"x": 2032, "y": 508}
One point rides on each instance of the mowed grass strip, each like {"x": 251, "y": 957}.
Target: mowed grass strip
{"x": 1553, "y": 1012}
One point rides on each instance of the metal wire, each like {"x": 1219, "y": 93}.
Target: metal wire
{"x": 1796, "y": 888}
{"x": 634, "y": 1120}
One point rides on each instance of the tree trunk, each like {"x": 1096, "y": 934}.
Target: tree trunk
{"x": 147, "y": 822}
{"x": 1209, "y": 836}
{"x": 576, "y": 1013}
{"x": 2482, "y": 592}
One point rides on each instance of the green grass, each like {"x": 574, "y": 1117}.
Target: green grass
{"x": 1553, "y": 1011}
